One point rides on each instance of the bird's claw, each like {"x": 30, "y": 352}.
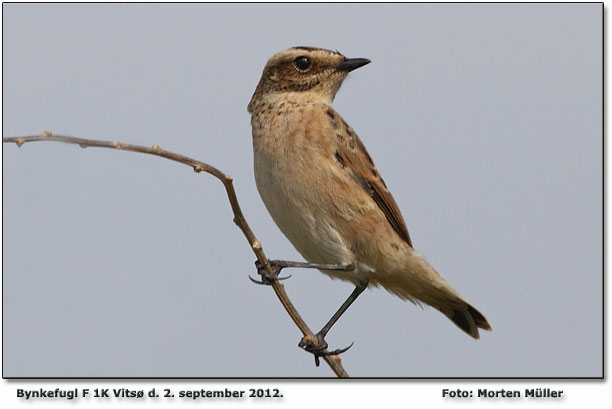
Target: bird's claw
{"x": 268, "y": 279}
{"x": 317, "y": 346}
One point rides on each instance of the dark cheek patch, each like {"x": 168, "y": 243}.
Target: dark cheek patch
{"x": 299, "y": 85}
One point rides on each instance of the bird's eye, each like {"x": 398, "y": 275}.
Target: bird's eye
{"x": 303, "y": 63}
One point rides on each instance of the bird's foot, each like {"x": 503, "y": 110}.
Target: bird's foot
{"x": 316, "y": 345}
{"x": 269, "y": 279}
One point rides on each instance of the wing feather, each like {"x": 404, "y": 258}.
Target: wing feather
{"x": 354, "y": 157}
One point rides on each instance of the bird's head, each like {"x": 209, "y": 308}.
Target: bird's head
{"x": 307, "y": 72}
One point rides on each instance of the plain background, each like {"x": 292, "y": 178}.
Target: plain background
{"x": 484, "y": 119}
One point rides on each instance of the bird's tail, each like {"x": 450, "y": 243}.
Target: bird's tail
{"x": 466, "y": 317}
{"x": 421, "y": 283}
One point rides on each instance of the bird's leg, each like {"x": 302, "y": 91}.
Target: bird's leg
{"x": 316, "y": 344}
{"x": 278, "y": 265}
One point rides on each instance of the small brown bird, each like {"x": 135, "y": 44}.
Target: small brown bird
{"x": 324, "y": 192}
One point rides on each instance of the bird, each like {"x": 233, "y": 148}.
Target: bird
{"x": 324, "y": 192}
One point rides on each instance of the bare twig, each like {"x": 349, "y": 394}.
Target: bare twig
{"x": 333, "y": 361}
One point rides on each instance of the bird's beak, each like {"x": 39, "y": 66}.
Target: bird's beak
{"x": 350, "y": 64}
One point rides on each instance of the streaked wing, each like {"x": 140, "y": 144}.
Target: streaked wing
{"x": 353, "y": 155}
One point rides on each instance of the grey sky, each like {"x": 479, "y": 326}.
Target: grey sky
{"x": 484, "y": 119}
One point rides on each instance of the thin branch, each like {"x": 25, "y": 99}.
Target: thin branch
{"x": 333, "y": 361}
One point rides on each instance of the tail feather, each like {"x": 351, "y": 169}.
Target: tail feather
{"x": 468, "y": 318}
{"x": 479, "y": 319}
{"x": 420, "y": 283}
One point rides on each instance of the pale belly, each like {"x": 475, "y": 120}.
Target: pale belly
{"x": 293, "y": 193}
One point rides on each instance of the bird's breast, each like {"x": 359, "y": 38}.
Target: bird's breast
{"x": 295, "y": 177}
